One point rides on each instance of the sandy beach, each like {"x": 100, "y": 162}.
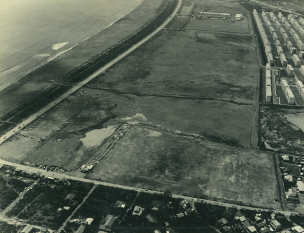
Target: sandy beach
{"x": 34, "y": 31}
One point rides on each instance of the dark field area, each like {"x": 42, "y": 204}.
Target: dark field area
{"x": 279, "y": 132}
{"x": 163, "y": 161}
{"x": 41, "y": 205}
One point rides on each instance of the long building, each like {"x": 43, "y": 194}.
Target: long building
{"x": 283, "y": 59}
{"x": 280, "y": 50}
{"x": 270, "y": 59}
{"x": 287, "y": 91}
{"x": 268, "y": 94}
{"x": 300, "y": 87}
{"x": 290, "y": 70}
{"x": 296, "y": 60}
{"x": 302, "y": 69}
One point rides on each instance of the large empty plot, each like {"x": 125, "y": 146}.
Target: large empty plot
{"x": 160, "y": 160}
{"x": 206, "y": 83}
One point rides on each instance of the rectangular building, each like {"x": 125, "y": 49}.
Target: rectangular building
{"x": 287, "y": 91}
{"x": 268, "y": 94}
{"x": 287, "y": 25}
{"x": 301, "y": 31}
{"x": 271, "y": 29}
{"x": 289, "y": 16}
{"x": 267, "y": 49}
{"x": 268, "y": 74}
{"x": 301, "y": 54}
{"x": 282, "y": 30}
{"x": 285, "y": 37}
{"x": 270, "y": 59}
{"x": 268, "y": 81}
{"x": 289, "y": 44}
{"x": 277, "y": 43}
{"x": 290, "y": 70}
{"x": 300, "y": 44}
{"x": 302, "y": 69}
{"x": 280, "y": 50}
{"x": 283, "y": 59}
{"x": 280, "y": 15}
{"x": 292, "y": 50}
{"x": 296, "y": 60}
{"x": 300, "y": 87}
{"x": 267, "y": 66}
{"x": 278, "y": 25}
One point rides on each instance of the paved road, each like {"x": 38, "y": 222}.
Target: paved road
{"x": 275, "y": 7}
{"x": 66, "y": 176}
{"x": 33, "y": 117}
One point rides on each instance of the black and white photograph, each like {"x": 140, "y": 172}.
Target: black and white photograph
{"x": 151, "y": 116}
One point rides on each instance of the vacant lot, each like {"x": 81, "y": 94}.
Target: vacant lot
{"x": 183, "y": 81}
{"x": 282, "y": 129}
{"x": 161, "y": 160}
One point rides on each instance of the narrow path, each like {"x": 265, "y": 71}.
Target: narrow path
{"x": 21, "y": 195}
{"x": 275, "y": 7}
{"x": 72, "y": 214}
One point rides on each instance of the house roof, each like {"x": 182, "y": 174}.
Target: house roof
{"x": 300, "y": 185}
{"x": 246, "y": 223}
{"x": 89, "y": 220}
{"x": 223, "y": 221}
{"x": 251, "y": 229}
{"x": 297, "y": 229}
{"x": 71, "y": 196}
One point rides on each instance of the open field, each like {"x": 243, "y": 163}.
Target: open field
{"x": 178, "y": 82}
{"x": 164, "y": 161}
{"x": 282, "y": 129}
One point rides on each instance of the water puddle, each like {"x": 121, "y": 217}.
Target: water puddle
{"x": 268, "y": 146}
{"x": 59, "y": 45}
{"x": 154, "y": 133}
{"x": 297, "y": 120}
{"x": 97, "y": 136}
{"x": 138, "y": 118}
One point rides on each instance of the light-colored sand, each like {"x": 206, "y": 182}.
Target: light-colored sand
{"x": 297, "y": 120}
{"x": 30, "y": 27}
{"x": 97, "y": 136}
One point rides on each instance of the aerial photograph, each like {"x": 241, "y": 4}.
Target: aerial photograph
{"x": 151, "y": 116}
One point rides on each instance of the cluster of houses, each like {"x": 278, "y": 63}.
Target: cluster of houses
{"x": 258, "y": 224}
{"x": 292, "y": 170}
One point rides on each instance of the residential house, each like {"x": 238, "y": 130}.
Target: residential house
{"x": 107, "y": 222}
{"x": 297, "y": 229}
{"x": 275, "y": 224}
{"x": 251, "y": 229}
{"x": 138, "y": 210}
{"x": 222, "y": 222}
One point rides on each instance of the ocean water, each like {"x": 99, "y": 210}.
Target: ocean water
{"x": 36, "y": 29}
